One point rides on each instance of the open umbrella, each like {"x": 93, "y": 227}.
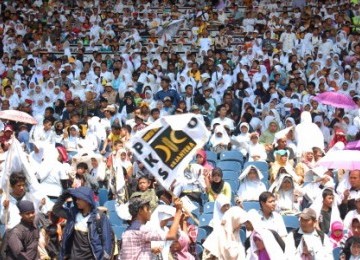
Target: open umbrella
{"x": 335, "y": 99}
{"x": 18, "y": 116}
{"x": 341, "y": 159}
{"x": 354, "y": 145}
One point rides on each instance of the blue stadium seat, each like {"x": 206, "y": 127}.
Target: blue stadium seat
{"x": 234, "y": 184}
{"x": 230, "y": 175}
{"x": 229, "y": 166}
{"x": 242, "y": 235}
{"x": 251, "y": 205}
{"x": 232, "y": 156}
{"x": 115, "y": 220}
{"x": 262, "y": 166}
{"x": 205, "y": 220}
{"x": 199, "y": 249}
{"x": 103, "y": 196}
{"x": 202, "y": 234}
{"x": 211, "y": 156}
{"x": 118, "y": 231}
{"x": 209, "y": 208}
{"x": 110, "y": 205}
{"x": 291, "y": 222}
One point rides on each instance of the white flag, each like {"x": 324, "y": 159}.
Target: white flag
{"x": 168, "y": 145}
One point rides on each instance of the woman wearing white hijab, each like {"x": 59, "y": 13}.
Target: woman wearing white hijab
{"x": 221, "y": 205}
{"x": 251, "y": 185}
{"x": 325, "y": 130}
{"x": 257, "y": 151}
{"x": 220, "y": 140}
{"x": 226, "y": 243}
{"x": 241, "y": 141}
{"x": 286, "y": 194}
{"x": 263, "y": 244}
{"x": 308, "y": 134}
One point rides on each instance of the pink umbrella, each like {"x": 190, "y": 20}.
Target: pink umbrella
{"x": 354, "y": 145}
{"x": 18, "y": 116}
{"x": 335, "y": 99}
{"x": 341, "y": 159}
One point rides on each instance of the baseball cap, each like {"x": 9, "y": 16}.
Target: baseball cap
{"x": 308, "y": 213}
{"x": 167, "y": 98}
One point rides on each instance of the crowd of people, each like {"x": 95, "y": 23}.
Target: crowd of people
{"x": 94, "y": 73}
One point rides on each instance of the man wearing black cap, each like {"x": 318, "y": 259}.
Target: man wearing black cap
{"x": 23, "y": 239}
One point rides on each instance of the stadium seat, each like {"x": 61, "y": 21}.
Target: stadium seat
{"x": 118, "y": 231}
{"x": 211, "y": 156}
{"x": 230, "y": 175}
{"x": 115, "y": 220}
{"x": 202, "y": 234}
{"x": 262, "y": 166}
{"x": 232, "y": 156}
{"x": 209, "y": 208}
{"x": 229, "y": 166}
{"x": 110, "y": 205}
{"x": 291, "y": 222}
{"x": 234, "y": 184}
{"x": 251, "y": 205}
{"x": 205, "y": 220}
{"x": 199, "y": 249}
{"x": 103, "y": 196}
{"x": 242, "y": 235}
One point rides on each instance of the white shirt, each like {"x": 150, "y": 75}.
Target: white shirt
{"x": 228, "y": 122}
{"x": 318, "y": 250}
{"x": 13, "y": 211}
{"x": 274, "y": 222}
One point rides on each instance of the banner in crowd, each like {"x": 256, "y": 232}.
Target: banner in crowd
{"x": 16, "y": 160}
{"x": 168, "y": 145}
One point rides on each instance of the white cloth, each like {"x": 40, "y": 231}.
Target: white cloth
{"x": 308, "y": 134}
{"x": 250, "y": 190}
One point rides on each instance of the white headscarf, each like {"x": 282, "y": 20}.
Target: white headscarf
{"x": 226, "y": 243}
{"x": 224, "y": 139}
{"x": 308, "y": 134}
{"x": 220, "y": 201}
{"x": 250, "y": 190}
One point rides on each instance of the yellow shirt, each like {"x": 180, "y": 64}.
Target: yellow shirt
{"x": 226, "y": 190}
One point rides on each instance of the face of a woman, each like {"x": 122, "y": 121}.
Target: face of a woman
{"x": 225, "y": 208}
{"x": 309, "y": 156}
{"x": 286, "y": 185}
{"x": 259, "y": 243}
{"x": 199, "y": 159}
{"x": 283, "y": 159}
{"x": 216, "y": 178}
{"x": 355, "y": 249}
{"x": 252, "y": 176}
